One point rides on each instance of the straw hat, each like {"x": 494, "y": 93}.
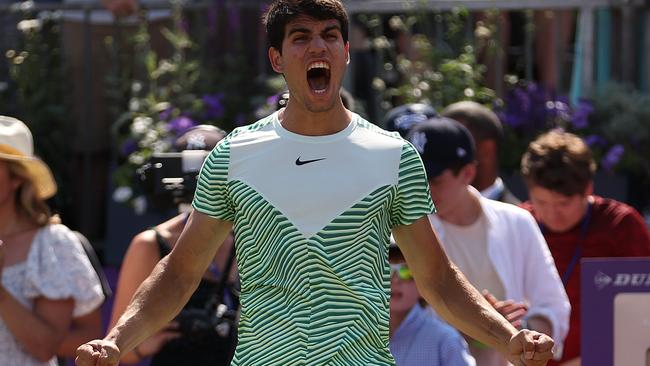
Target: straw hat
{"x": 17, "y": 144}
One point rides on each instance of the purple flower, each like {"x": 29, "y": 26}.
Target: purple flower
{"x": 581, "y": 114}
{"x": 165, "y": 114}
{"x": 273, "y": 99}
{"x": 180, "y": 124}
{"x": 129, "y": 146}
{"x": 595, "y": 140}
{"x": 612, "y": 157}
{"x": 213, "y": 106}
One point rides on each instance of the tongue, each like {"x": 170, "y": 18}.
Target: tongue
{"x": 318, "y": 82}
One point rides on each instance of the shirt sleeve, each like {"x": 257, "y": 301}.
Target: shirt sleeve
{"x": 413, "y": 199}
{"x": 212, "y": 192}
{"x": 59, "y": 268}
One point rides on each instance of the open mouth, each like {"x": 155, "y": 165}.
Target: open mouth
{"x": 318, "y": 76}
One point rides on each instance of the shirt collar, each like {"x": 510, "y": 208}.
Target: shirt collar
{"x": 494, "y": 191}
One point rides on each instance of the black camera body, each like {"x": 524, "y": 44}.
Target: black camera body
{"x": 220, "y": 321}
{"x": 169, "y": 179}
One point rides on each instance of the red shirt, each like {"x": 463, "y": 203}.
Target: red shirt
{"x": 615, "y": 230}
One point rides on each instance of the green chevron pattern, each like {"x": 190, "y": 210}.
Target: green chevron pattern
{"x": 321, "y": 300}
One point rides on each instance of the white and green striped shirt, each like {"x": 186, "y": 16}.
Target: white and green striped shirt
{"x": 312, "y": 218}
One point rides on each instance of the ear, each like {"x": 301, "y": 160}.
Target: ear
{"x": 275, "y": 57}
{"x": 16, "y": 183}
{"x": 468, "y": 172}
{"x": 347, "y": 53}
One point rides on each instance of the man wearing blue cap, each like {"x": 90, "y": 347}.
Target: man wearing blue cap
{"x": 519, "y": 278}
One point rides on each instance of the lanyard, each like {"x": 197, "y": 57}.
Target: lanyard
{"x": 577, "y": 253}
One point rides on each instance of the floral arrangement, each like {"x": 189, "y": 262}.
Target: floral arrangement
{"x": 436, "y": 73}
{"x": 612, "y": 121}
{"x": 176, "y": 94}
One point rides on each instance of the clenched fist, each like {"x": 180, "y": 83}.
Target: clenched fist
{"x": 98, "y": 352}
{"x": 530, "y": 348}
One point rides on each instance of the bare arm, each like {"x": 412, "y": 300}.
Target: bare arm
{"x": 164, "y": 292}
{"x": 83, "y": 329}
{"x": 39, "y": 331}
{"x": 458, "y": 302}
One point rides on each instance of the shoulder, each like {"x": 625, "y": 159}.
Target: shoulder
{"x": 614, "y": 211}
{"x": 250, "y": 130}
{"x": 377, "y": 135}
{"x": 59, "y": 235}
{"x": 507, "y": 211}
{"x": 144, "y": 244}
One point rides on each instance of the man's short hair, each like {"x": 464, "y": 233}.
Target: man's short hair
{"x": 558, "y": 161}
{"x": 480, "y": 120}
{"x": 281, "y": 12}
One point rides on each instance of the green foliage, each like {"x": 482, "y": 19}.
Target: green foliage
{"x": 621, "y": 116}
{"x": 434, "y": 69}
{"x": 168, "y": 95}
{"x": 34, "y": 92}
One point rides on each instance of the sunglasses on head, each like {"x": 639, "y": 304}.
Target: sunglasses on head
{"x": 402, "y": 271}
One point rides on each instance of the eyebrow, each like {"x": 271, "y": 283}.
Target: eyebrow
{"x": 307, "y": 30}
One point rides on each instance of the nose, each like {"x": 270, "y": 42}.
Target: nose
{"x": 317, "y": 44}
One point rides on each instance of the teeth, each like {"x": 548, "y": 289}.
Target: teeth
{"x": 319, "y": 65}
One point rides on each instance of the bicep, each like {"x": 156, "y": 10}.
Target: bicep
{"x": 422, "y": 251}
{"x": 196, "y": 247}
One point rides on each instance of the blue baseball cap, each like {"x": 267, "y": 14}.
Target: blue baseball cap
{"x": 442, "y": 143}
{"x": 402, "y": 118}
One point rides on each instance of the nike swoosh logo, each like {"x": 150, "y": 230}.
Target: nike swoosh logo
{"x": 303, "y": 162}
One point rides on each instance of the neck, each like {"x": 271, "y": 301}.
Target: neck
{"x": 465, "y": 211}
{"x": 297, "y": 119}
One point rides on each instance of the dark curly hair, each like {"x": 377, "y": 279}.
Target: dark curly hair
{"x": 281, "y": 12}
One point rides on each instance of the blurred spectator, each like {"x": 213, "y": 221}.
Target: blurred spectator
{"x": 487, "y": 131}
{"x": 403, "y": 117}
{"x": 558, "y": 169}
{"x": 519, "y": 278}
{"x": 47, "y": 279}
{"x": 171, "y": 346}
{"x": 418, "y": 337}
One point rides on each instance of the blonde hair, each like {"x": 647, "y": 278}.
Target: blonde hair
{"x": 27, "y": 201}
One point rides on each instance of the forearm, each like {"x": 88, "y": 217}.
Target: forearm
{"x": 458, "y": 302}
{"x": 37, "y": 337}
{"x": 154, "y": 304}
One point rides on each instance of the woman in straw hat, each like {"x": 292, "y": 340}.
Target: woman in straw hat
{"x": 47, "y": 278}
